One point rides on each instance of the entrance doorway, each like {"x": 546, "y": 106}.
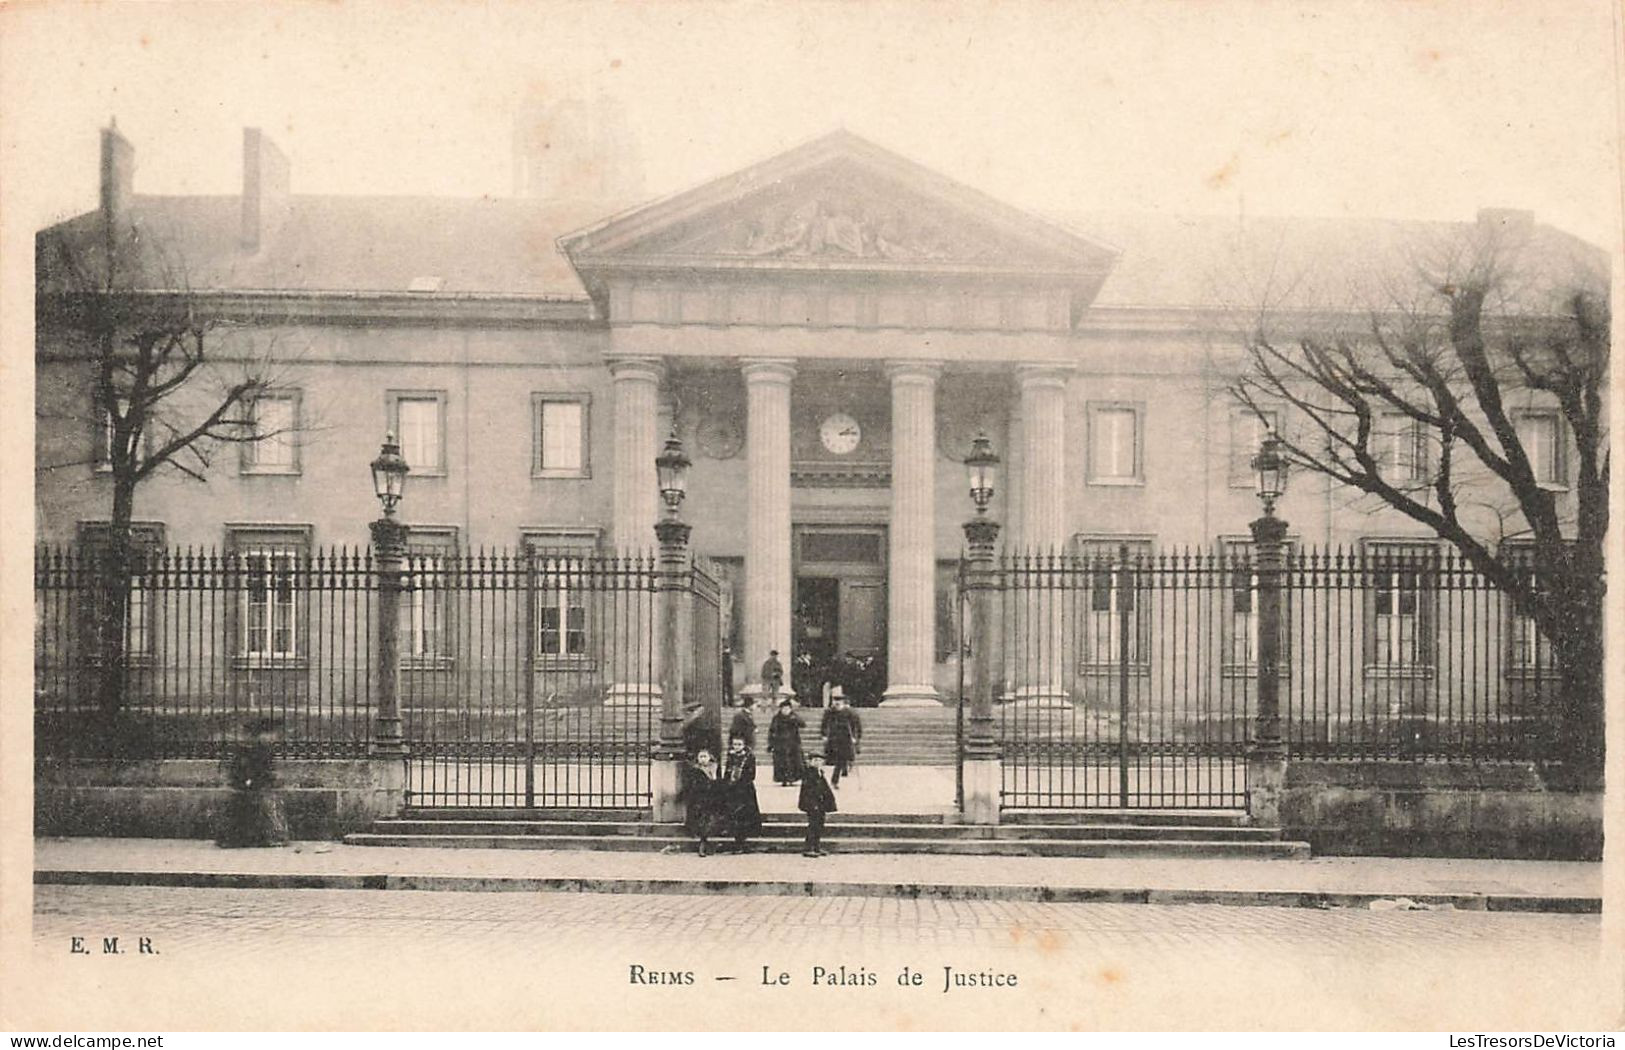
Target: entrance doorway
{"x": 839, "y": 614}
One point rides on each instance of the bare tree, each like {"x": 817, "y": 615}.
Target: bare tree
{"x": 1489, "y": 327}
{"x": 170, "y": 388}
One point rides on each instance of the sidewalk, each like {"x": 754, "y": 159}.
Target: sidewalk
{"x": 1329, "y": 882}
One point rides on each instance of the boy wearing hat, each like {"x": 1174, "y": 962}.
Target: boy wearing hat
{"x": 816, "y": 800}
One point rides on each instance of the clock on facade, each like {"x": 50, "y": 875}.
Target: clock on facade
{"x": 840, "y": 433}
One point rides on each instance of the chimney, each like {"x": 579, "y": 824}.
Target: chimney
{"x": 118, "y": 174}
{"x": 265, "y": 186}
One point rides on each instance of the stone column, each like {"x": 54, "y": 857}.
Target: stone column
{"x": 637, "y": 443}
{"x": 1040, "y": 670}
{"x": 911, "y": 573}
{"x": 634, "y": 659}
{"x": 767, "y": 515}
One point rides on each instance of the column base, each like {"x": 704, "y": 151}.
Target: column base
{"x": 1049, "y": 695}
{"x": 910, "y": 696}
{"x": 666, "y": 784}
{"x": 1266, "y": 776}
{"x": 983, "y": 781}
{"x": 633, "y": 694}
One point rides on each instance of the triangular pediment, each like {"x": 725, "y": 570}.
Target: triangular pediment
{"x": 836, "y": 203}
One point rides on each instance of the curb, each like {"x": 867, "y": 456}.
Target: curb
{"x": 1499, "y": 902}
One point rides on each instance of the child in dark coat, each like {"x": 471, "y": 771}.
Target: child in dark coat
{"x": 816, "y": 800}
{"x": 707, "y": 802}
{"x": 739, "y": 791}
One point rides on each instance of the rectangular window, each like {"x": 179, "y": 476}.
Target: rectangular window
{"x": 561, "y": 607}
{"x": 274, "y": 448}
{"x": 1399, "y": 448}
{"x": 561, "y": 561}
{"x": 560, "y": 438}
{"x": 271, "y": 617}
{"x": 1400, "y": 583}
{"x": 1541, "y": 438}
{"x": 272, "y": 570}
{"x": 1529, "y": 652}
{"x": 1239, "y": 623}
{"x": 140, "y": 612}
{"x": 418, "y": 419}
{"x": 428, "y": 601}
{"x": 1247, "y": 430}
{"x": 102, "y": 452}
{"x": 1114, "y": 444}
{"x": 1114, "y": 600}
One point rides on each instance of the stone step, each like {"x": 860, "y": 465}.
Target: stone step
{"x": 1187, "y": 817}
{"x": 677, "y": 842}
{"x": 835, "y": 829}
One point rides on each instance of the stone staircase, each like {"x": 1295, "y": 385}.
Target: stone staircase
{"x": 892, "y": 736}
{"x": 1103, "y": 833}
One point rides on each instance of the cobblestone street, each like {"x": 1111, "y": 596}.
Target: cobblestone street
{"x": 1088, "y": 960}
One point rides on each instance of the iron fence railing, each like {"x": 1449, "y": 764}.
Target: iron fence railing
{"x": 1125, "y": 678}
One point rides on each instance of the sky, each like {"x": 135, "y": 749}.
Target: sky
{"x": 1400, "y": 109}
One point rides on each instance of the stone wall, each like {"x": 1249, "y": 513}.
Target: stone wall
{"x": 1400, "y": 809}
{"x": 183, "y": 798}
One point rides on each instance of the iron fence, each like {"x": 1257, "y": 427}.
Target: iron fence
{"x": 205, "y": 641}
{"x": 1130, "y": 679}
{"x": 527, "y": 677}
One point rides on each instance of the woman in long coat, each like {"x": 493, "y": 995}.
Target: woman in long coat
{"x": 254, "y": 815}
{"x": 739, "y": 791}
{"x": 784, "y": 741}
{"x": 705, "y": 796}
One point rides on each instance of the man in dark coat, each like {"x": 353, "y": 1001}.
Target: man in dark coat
{"x": 701, "y": 732}
{"x": 843, "y": 734}
{"x": 784, "y": 741}
{"x": 816, "y": 800}
{"x": 739, "y": 792}
{"x": 743, "y": 724}
{"x": 772, "y": 674}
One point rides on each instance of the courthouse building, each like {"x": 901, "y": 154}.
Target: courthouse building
{"x": 826, "y": 330}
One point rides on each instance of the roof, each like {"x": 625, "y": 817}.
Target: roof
{"x": 330, "y": 243}
{"x": 509, "y": 246}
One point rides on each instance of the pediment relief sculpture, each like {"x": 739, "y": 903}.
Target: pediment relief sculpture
{"x": 828, "y": 220}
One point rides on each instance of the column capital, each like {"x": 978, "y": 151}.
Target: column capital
{"x": 768, "y": 369}
{"x": 652, "y": 369}
{"x": 1044, "y": 373}
{"x": 904, "y": 370}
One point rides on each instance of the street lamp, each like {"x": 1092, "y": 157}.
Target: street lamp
{"x": 979, "y": 775}
{"x": 389, "y": 472}
{"x": 1266, "y": 761}
{"x": 982, "y": 468}
{"x": 1269, "y": 472}
{"x": 673, "y": 584}
{"x": 671, "y": 467}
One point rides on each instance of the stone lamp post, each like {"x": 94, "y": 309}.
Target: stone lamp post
{"x": 982, "y": 767}
{"x": 673, "y": 584}
{"x": 389, "y": 472}
{"x": 1266, "y": 758}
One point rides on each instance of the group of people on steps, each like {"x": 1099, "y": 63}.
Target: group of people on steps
{"x": 721, "y": 802}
